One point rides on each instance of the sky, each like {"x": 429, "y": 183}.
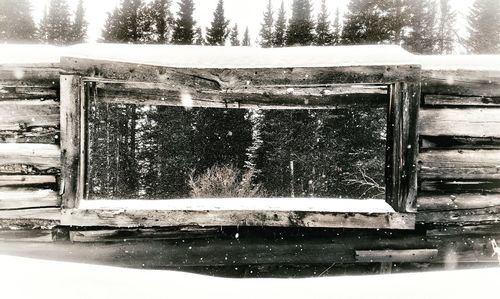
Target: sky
{"x": 243, "y": 12}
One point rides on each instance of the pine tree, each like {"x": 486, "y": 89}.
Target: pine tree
{"x": 43, "y": 27}
{"x": 184, "y": 25}
{"x": 484, "y": 27}
{"x": 266, "y": 30}
{"x": 16, "y": 22}
{"x": 246, "y": 39}
{"x": 198, "y": 37}
{"x": 446, "y": 31}
{"x": 422, "y": 24}
{"x": 234, "y": 36}
{"x": 337, "y": 28}
{"x": 324, "y": 35}
{"x": 79, "y": 26}
{"x": 301, "y": 26}
{"x": 161, "y": 19}
{"x": 280, "y": 28}
{"x": 374, "y": 21}
{"x": 218, "y": 31}
{"x": 126, "y": 23}
{"x": 59, "y": 23}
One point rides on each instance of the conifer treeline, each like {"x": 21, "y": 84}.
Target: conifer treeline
{"x": 421, "y": 26}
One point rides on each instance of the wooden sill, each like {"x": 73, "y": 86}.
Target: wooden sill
{"x": 277, "y": 212}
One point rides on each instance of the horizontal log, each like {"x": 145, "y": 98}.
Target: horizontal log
{"x": 396, "y": 256}
{"x": 128, "y": 235}
{"x": 457, "y": 142}
{"x": 26, "y": 180}
{"x": 449, "y": 100}
{"x": 470, "y": 122}
{"x": 20, "y": 198}
{"x": 49, "y": 214}
{"x": 461, "y": 83}
{"x": 152, "y": 218}
{"x": 265, "y": 97}
{"x": 39, "y": 156}
{"x": 26, "y": 235}
{"x": 460, "y": 186}
{"x": 460, "y": 164}
{"x": 15, "y": 115}
{"x": 28, "y": 92}
{"x": 30, "y": 74}
{"x": 227, "y": 78}
{"x": 45, "y": 135}
{"x": 460, "y": 217}
{"x": 475, "y": 230}
{"x": 457, "y": 201}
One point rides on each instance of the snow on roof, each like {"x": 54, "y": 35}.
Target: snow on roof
{"x": 29, "y": 54}
{"x": 460, "y": 62}
{"x": 245, "y": 57}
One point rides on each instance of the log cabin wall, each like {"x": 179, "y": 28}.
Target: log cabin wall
{"x": 458, "y": 188}
{"x": 459, "y": 157}
{"x": 29, "y": 145}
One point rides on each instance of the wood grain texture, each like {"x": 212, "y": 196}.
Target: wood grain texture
{"x": 396, "y": 256}
{"x": 70, "y": 137}
{"x": 21, "y": 198}
{"x": 454, "y": 186}
{"x": 218, "y": 79}
{"x": 152, "y": 218}
{"x": 460, "y": 217}
{"x": 460, "y": 164}
{"x": 28, "y": 92}
{"x": 461, "y": 83}
{"x": 26, "y": 180}
{"x": 456, "y": 142}
{"x": 470, "y": 122}
{"x": 39, "y": 156}
{"x": 21, "y": 114}
{"x": 448, "y": 100}
{"x": 458, "y": 201}
{"x": 47, "y": 135}
{"x": 50, "y": 214}
{"x": 26, "y": 235}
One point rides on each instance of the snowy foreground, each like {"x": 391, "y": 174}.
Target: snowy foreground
{"x": 29, "y": 278}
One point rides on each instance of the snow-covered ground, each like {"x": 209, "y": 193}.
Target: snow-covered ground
{"x": 30, "y": 278}
{"x": 245, "y": 57}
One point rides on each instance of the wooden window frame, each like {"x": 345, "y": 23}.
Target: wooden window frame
{"x": 403, "y": 84}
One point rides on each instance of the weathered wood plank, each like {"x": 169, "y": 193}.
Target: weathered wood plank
{"x": 230, "y": 78}
{"x": 28, "y": 92}
{"x": 460, "y": 164}
{"x": 449, "y": 100}
{"x": 39, "y": 156}
{"x": 457, "y": 142}
{"x": 470, "y": 122}
{"x": 396, "y": 256}
{"x": 26, "y": 235}
{"x": 460, "y": 186}
{"x": 20, "y": 198}
{"x": 124, "y": 234}
{"x": 45, "y": 135}
{"x": 26, "y": 180}
{"x": 50, "y": 214}
{"x": 30, "y": 74}
{"x": 461, "y": 83}
{"x": 460, "y": 217}
{"x": 475, "y": 230}
{"x": 457, "y": 201}
{"x": 71, "y": 92}
{"x": 19, "y": 114}
{"x": 152, "y": 218}
{"x": 327, "y": 96}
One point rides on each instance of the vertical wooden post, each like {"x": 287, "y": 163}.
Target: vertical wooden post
{"x": 70, "y": 139}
